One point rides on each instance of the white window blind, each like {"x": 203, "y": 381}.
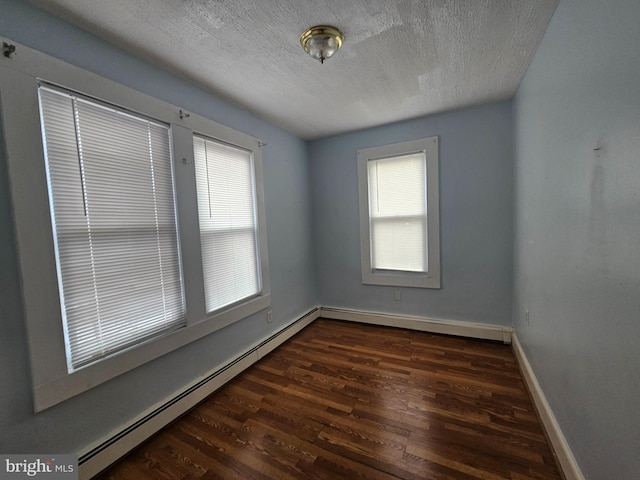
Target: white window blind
{"x": 397, "y": 209}
{"x": 228, "y": 227}
{"x": 113, "y": 213}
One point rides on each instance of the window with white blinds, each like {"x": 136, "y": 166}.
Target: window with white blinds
{"x": 397, "y": 211}
{"x": 112, "y": 206}
{"x": 227, "y": 216}
{"x": 399, "y": 214}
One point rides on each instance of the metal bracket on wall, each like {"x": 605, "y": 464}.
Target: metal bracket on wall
{"x": 8, "y": 49}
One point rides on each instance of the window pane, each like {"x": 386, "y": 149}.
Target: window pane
{"x": 399, "y": 244}
{"x": 113, "y": 211}
{"x": 228, "y": 227}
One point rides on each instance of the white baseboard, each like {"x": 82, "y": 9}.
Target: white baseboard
{"x": 96, "y": 457}
{"x": 424, "y": 324}
{"x": 563, "y": 452}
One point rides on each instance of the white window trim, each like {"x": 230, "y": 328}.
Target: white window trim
{"x": 36, "y": 257}
{"x": 430, "y": 279}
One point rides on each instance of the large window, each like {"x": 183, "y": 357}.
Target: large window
{"x": 113, "y": 217}
{"x": 399, "y": 214}
{"x": 118, "y": 266}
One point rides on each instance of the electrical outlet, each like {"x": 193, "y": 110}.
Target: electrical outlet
{"x": 526, "y": 317}
{"x": 398, "y": 296}
{"x": 269, "y": 317}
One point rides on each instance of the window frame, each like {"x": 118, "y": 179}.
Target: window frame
{"x": 19, "y": 77}
{"x": 398, "y": 278}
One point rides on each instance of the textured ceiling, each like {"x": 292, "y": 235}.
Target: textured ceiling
{"x": 400, "y": 58}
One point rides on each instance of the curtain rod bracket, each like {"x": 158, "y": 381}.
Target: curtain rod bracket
{"x": 8, "y": 49}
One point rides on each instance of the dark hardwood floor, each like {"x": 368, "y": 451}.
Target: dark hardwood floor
{"x": 343, "y": 401}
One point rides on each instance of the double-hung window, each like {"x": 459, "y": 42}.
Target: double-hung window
{"x": 111, "y": 196}
{"x": 399, "y": 226}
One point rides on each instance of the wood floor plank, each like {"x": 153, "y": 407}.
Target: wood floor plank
{"x": 341, "y": 400}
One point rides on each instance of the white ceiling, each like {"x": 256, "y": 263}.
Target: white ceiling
{"x": 400, "y": 58}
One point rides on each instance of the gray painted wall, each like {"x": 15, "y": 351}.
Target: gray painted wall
{"x": 577, "y": 229}
{"x": 475, "y": 217}
{"x": 83, "y": 419}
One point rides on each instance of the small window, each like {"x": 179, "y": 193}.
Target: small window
{"x": 228, "y": 222}
{"x": 112, "y": 205}
{"x": 399, "y": 214}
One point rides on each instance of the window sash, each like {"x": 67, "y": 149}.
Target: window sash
{"x": 51, "y": 380}
{"x": 397, "y": 188}
{"x": 227, "y": 215}
{"x": 111, "y": 196}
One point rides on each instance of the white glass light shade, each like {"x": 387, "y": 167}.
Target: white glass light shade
{"x": 321, "y": 41}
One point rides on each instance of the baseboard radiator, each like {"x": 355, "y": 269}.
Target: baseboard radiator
{"x": 424, "y": 324}
{"x": 98, "y": 456}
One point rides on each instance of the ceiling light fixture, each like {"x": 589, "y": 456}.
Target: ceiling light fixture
{"x": 321, "y": 41}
